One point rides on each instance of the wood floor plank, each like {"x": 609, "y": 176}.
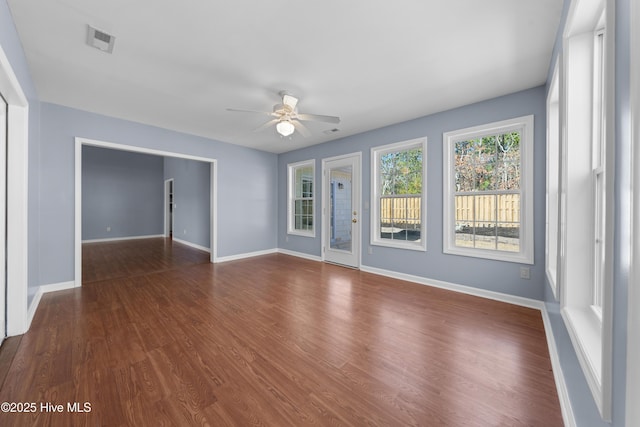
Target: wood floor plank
{"x": 158, "y": 336}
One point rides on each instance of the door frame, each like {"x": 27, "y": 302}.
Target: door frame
{"x": 213, "y": 197}
{"x": 17, "y": 199}
{"x": 169, "y": 187}
{"x": 326, "y": 217}
{"x": 4, "y": 106}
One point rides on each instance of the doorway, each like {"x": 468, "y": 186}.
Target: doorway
{"x": 168, "y": 208}
{"x": 80, "y": 142}
{"x": 341, "y": 195}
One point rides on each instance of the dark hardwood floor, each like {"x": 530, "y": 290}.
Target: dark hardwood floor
{"x": 273, "y": 341}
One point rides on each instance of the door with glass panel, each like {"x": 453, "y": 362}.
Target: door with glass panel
{"x": 3, "y": 213}
{"x": 341, "y": 210}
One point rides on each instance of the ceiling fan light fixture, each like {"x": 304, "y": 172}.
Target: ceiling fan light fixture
{"x": 285, "y": 127}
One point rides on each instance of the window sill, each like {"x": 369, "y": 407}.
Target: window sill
{"x": 398, "y": 244}
{"x": 585, "y": 331}
{"x": 493, "y": 255}
{"x": 301, "y": 233}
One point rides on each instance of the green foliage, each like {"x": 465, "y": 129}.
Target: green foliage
{"x": 401, "y": 172}
{"x": 488, "y": 163}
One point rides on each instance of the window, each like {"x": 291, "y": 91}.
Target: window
{"x": 398, "y": 195}
{"x": 488, "y": 176}
{"x": 553, "y": 183}
{"x": 586, "y": 236}
{"x": 300, "y": 212}
{"x": 599, "y": 169}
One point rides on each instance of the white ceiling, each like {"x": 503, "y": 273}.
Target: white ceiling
{"x": 180, "y": 64}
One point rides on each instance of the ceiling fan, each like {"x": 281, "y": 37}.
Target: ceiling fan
{"x": 286, "y": 116}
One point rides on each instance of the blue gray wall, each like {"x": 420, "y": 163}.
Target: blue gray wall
{"x": 584, "y": 407}
{"x": 191, "y": 196}
{"x": 434, "y": 264}
{"x": 122, "y": 194}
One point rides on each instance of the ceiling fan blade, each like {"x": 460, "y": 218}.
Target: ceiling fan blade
{"x": 268, "y": 113}
{"x": 318, "y": 118}
{"x": 301, "y": 128}
{"x": 266, "y": 125}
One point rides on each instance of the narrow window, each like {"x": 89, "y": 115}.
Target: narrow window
{"x": 598, "y": 173}
{"x": 300, "y": 217}
{"x": 553, "y": 183}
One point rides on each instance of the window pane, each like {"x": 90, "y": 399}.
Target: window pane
{"x": 464, "y": 234}
{"x": 509, "y": 208}
{"x": 401, "y": 172}
{"x": 485, "y": 210}
{"x": 509, "y": 237}
{"x": 485, "y": 236}
{"x": 400, "y": 217}
{"x": 485, "y": 178}
{"x": 304, "y": 182}
{"x": 464, "y": 174}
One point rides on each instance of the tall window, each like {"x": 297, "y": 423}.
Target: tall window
{"x": 398, "y": 194}
{"x": 599, "y": 169}
{"x": 586, "y": 236}
{"x": 300, "y": 212}
{"x": 488, "y": 174}
{"x": 553, "y": 183}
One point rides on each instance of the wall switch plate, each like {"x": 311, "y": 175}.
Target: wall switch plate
{"x": 525, "y": 273}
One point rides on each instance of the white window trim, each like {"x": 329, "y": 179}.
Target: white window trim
{"x": 291, "y": 188}
{"x": 633, "y": 321}
{"x": 376, "y": 153}
{"x": 590, "y": 329}
{"x": 525, "y": 124}
{"x": 552, "y": 240}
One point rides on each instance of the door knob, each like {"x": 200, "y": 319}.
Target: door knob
{"x": 354, "y": 220}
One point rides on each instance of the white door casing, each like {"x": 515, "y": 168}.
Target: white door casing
{"x": 341, "y": 209}
{"x": 16, "y": 199}
{"x": 3, "y": 206}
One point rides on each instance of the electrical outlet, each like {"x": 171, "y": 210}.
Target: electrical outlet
{"x": 525, "y": 273}
{"x": 108, "y": 229}
{"x": 370, "y": 250}
{"x": 185, "y": 231}
{"x": 286, "y": 238}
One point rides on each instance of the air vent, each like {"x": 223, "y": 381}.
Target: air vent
{"x": 332, "y": 131}
{"x": 99, "y": 39}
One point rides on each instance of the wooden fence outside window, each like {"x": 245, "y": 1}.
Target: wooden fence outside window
{"x": 485, "y": 210}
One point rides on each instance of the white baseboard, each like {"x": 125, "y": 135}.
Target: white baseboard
{"x": 115, "y": 239}
{"x": 193, "y": 245}
{"x": 300, "y": 255}
{"x": 246, "y": 255}
{"x": 497, "y": 296}
{"x": 43, "y": 289}
{"x": 558, "y": 375}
